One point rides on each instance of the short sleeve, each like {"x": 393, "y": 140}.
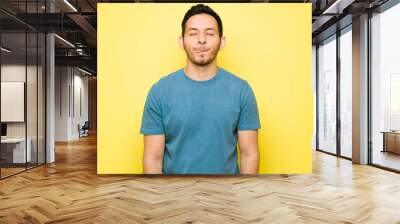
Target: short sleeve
{"x": 152, "y": 123}
{"x": 248, "y": 118}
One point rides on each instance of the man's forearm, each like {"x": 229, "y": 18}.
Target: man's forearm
{"x": 249, "y": 154}
{"x": 153, "y": 154}
{"x": 152, "y": 165}
{"x": 249, "y": 163}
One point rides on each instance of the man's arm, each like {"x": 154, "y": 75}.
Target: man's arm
{"x": 249, "y": 155}
{"x": 153, "y": 154}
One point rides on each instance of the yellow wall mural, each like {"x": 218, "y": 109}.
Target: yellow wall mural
{"x": 269, "y": 45}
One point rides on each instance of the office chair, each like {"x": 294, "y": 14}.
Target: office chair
{"x": 84, "y": 130}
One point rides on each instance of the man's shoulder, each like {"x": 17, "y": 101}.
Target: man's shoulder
{"x": 167, "y": 80}
{"x": 232, "y": 78}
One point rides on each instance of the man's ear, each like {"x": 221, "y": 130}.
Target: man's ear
{"x": 222, "y": 43}
{"x": 180, "y": 42}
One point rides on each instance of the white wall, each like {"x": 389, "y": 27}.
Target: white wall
{"x": 71, "y": 93}
{"x": 16, "y": 72}
{"x": 13, "y": 73}
{"x": 81, "y": 89}
{"x": 62, "y": 81}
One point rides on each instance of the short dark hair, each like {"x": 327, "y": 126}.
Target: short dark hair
{"x": 199, "y": 9}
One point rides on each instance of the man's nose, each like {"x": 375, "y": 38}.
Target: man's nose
{"x": 202, "y": 39}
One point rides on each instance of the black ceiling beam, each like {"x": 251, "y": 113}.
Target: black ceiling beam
{"x": 8, "y": 24}
{"x": 91, "y": 5}
{"x": 44, "y": 22}
{"x": 49, "y": 22}
{"x": 83, "y": 61}
{"x": 204, "y": 1}
{"x": 332, "y": 29}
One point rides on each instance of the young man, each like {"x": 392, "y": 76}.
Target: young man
{"x": 194, "y": 117}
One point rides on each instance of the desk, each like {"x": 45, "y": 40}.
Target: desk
{"x": 391, "y": 141}
{"x": 18, "y": 149}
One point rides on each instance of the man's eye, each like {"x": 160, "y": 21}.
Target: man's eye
{"x": 210, "y": 34}
{"x": 192, "y": 34}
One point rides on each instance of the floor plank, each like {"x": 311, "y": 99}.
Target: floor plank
{"x": 70, "y": 191}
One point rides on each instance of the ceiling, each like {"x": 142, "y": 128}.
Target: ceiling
{"x": 76, "y": 22}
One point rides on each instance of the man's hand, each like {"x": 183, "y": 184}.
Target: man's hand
{"x": 249, "y": 155}
{"x": 153, "y": 154}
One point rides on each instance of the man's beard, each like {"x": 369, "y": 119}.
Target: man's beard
{"x": 202, "y": 62}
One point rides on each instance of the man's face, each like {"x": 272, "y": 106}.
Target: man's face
{"x": 201, "y": 40}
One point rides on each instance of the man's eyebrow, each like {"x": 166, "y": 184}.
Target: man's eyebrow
{"x": 195, "y": 29}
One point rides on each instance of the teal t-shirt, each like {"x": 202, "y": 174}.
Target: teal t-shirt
{"x": 200, "y": 120}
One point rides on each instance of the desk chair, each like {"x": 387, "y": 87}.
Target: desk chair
{"x": 84, "y": 130}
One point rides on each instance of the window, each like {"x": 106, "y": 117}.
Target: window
{"x": 385, "y": 88}
{"x": 346, "y": 92}
{"x": 327, "y": 95}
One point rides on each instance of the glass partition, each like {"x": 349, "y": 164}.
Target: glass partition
{"x": 22, "y": 88}
{"x": 14, "y": 154}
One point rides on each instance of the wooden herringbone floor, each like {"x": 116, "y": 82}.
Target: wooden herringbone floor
{"x": 69, "y": 191}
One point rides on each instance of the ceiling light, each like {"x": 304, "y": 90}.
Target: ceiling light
{"x": 5, "y": 50}
{"x": 84, "y": 71}
{"x": 64, "y": 40}
{"x": 337, "y": 7}
{"x": 70, "y": 5}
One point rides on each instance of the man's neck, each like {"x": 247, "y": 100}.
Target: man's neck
{"x": 201, "y": 73}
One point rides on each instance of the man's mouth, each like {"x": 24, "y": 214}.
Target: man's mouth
{"x": 198, "y": 51}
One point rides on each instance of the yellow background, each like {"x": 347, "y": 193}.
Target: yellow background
{"x": 269, "y": 45}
